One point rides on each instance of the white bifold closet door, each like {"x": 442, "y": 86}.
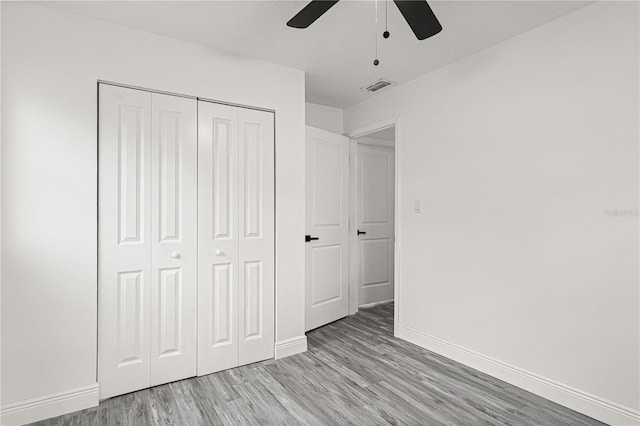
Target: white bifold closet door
{"x": 147, "y": 239}
{"x": 236, "y": 236}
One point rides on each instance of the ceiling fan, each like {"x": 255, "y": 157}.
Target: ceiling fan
{"x": 417, "y": 13}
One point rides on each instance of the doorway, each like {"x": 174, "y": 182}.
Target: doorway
{"x": 372, "y": 265}
{"x": 351, "y": 248}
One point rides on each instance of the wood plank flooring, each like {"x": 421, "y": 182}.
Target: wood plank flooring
{"x": 355, "y": 372}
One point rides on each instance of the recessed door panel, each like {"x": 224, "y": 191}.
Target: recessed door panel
{"x": 169, "y": 174}
{"x": 222, "y": 299}
{"x": 253, "y": 300}
{"x": 131, "y": 170}
{"x": 222, "y": 161}
{"x": 253, "y": 147}
{"x": 377, "y": 256}
{"x": 124, "y": 227}
{"x": 376, "y": 203}
{"x": 327, "y": 170}
{"x": 326, "y": 274}
{"x": 327, "y": 179}
{"x": 130, "y": 318}
{"x": 170, "y": 290}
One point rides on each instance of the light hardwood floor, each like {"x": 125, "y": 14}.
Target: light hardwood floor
{"x": 355, "y": 372}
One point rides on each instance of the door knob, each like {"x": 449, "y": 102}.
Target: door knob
{"x": 175, "y": 255}
{"x": 308, "y": 238}
{"x": 219, "y": 253}
{"x": 361, "y": 232}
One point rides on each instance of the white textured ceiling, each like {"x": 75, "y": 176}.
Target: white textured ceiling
{"x": 337, "y": 51}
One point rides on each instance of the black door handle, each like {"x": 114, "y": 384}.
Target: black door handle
{"x": 308, "y": 238}
{"x": 361, "y": 232}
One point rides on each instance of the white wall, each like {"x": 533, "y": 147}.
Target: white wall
{"x": 324, "y": 117}
{"x": 375, "y": 141}
{"x": 0, "y": 204}
{"x": 517, "y": 154}
{"x": 51, "y": 62}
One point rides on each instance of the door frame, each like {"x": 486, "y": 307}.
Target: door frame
{"x": 353, "y": 200}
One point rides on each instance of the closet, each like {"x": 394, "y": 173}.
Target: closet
{"x": 185, "y": 238}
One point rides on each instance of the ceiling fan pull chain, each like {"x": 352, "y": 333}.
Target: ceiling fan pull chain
{"x": 375, "y": 8}
{"x": 386, "y": 33}
{"x": 376, "y": 62}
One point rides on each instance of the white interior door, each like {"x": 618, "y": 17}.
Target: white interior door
{"x": 236, "y": 244}
{"x": 124, "y": 236}
{"x": 147, "y": 239}
{"x": 327, "y": 210}
{"x": 375, "y": 223}
{"x": 174, "y": 151}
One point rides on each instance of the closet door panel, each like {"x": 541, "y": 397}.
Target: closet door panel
{"x": 173, "y": 238}
{"x": 256, "y": 235}
{"x": 217, "y": 237}
{"x": 124, "y": 236}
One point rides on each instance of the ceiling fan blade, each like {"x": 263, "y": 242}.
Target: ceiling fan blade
{"x": 420, "y": 17}
{"x": 311, "y": 12}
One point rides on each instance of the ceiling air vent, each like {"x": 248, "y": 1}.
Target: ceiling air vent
{"x": 377, "y": 85}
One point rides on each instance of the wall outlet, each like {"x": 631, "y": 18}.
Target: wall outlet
{"x": 416, "y": 206}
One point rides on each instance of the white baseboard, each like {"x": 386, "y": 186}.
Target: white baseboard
{"x": 47, "y": 406}
{"x": 288, "y": 347}
{"x": 576, "y": 399}
{"x": 371, "y": 305}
